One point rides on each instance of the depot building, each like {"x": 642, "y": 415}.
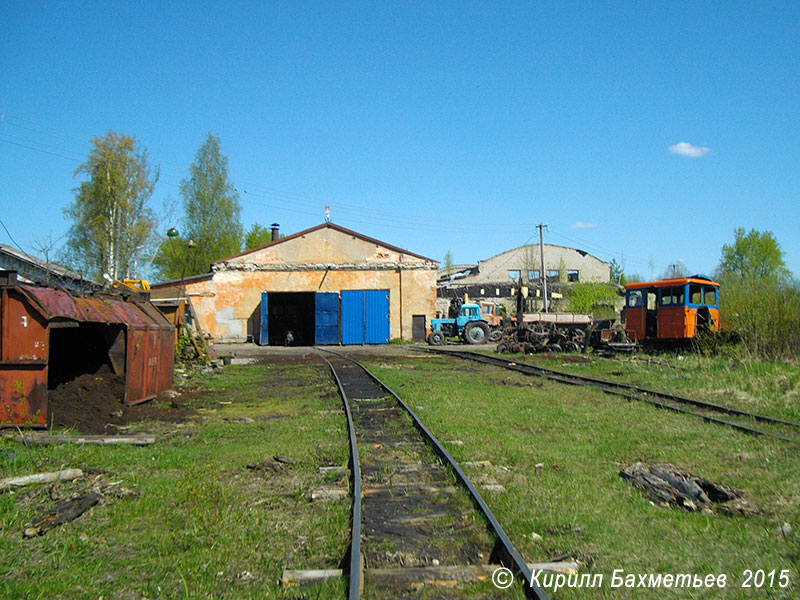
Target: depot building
{"x": 324, "y": 285}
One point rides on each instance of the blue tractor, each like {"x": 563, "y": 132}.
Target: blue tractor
{"x": 469, "y": 325}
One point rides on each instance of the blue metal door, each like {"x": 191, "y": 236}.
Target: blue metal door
{"x": 352, "y": 317}
{"x": 376, "y": 316}
{"x": 263, "y": 336}
{"x": 326, "y": 318}
{"x": 365, "y": 317}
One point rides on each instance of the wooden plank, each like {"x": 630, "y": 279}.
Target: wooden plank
{"x": 294, "y": 578}
{"x": 15, "y": 482}
{"x": 452, "y": 576}
{"x": 449, "y": 576}
{"x": 338, "y": 470}
{"x": 63, "y": 512}
{"x": 93, "y": 440}
{"x": 493, "y": 487}
{"x": 402, "y": 488}
{"x": 329, "y": 494}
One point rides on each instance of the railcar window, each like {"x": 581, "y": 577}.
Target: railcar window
{"x": 695, "y": 294}
{"x": 635, "y": 299}
{"x": 651, "y": 300}
{"x": 672, "y": 296}
{"x": 710, "y": 294}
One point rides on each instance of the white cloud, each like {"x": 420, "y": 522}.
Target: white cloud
{"x": 689, "y": 150}
{"x": 582, "y": 225}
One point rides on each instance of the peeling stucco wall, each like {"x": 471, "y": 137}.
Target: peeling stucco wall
{"x": 324, "y": 260}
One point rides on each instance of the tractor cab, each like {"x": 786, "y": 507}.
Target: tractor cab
{"x": 469, "y": 325}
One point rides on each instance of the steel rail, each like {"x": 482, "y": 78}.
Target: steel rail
{"x": 633, "y": 392}
{"x": 354, "y": 583}
{"x": 508, "y": 556}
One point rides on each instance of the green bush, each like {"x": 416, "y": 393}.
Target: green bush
{"x": 595, "y": 298}
{"x": 765, "y": 315}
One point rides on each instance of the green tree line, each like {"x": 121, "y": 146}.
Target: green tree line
{"x": 114, "y": 232}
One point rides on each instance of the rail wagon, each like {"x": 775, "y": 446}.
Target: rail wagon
{"x": 671, "y": 310}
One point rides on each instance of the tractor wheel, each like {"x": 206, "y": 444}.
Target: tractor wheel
{"x": 436, "y": 338}
{"x": 476, "y": 332}
{"x": 495, "y": 335}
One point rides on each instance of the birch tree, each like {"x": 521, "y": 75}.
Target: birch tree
{"x": 112, "y": 226}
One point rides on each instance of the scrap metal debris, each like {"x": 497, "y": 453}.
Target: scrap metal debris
{"x": 668, "y": 485}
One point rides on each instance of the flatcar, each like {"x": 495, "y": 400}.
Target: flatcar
{"x": 671, "y": 310}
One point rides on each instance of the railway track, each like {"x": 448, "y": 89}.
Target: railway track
{"x": 751, "y": 423}
{"x": 420, "y": 528}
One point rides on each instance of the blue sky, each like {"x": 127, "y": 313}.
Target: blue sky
{"x": 640, "y": 131}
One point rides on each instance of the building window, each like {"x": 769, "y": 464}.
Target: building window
{"x": 533, "y": 275}
{"x": 552, "y": 273}
{"x": 514, "y": 274}
{"x": 572, "y": 275}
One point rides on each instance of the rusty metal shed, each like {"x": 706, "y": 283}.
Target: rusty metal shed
{"x": 49, "y": 336}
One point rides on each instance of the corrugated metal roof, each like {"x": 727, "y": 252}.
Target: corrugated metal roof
{"x": 56, "y": 303}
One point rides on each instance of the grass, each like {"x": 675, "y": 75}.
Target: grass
{"x": 203, "y": 525}
{"x": 576, "y": 501}
{"x": 768, "y": 387}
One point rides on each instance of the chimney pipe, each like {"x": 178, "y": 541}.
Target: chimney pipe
{"x": 275, "y": 227}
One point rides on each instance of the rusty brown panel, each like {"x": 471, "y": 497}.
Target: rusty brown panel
{"x": 23, "y": 394}
{"x": 116, "y": 351}
{"x": 134, "y": 372}
{"x": 24, "y": 330}
{"x": 167, "y": 367}
{"x": 151, "y": 352}
{"x": 150, "y": 387}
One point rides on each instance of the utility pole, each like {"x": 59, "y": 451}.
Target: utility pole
{"x": 541, "y": 227}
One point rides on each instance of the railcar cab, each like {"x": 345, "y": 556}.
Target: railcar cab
{"x": 671, "y": 309}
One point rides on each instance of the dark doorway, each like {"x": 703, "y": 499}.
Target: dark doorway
{"x": 291, "y": 318}
{"x": 84, "y": 348}
{"x": 418, "y": 328}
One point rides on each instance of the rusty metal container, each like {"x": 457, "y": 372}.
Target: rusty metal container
{"x": 49, "y": 335}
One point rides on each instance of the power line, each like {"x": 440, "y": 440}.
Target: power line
{"x": 40, "y": 150}
{"x": 595, "y": 248}
{"x": 13, "y": 241}
{"x": 249, "y": 189}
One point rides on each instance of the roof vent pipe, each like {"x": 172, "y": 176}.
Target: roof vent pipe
{"x": 275, "y": 227}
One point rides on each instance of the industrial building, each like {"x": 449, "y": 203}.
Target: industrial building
{"x": 324, "y": 285}
{"x": 499, "y": 277}
{"x": 31, "y": 269}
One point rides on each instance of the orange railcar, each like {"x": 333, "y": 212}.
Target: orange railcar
{"x": 671, "y": 310}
